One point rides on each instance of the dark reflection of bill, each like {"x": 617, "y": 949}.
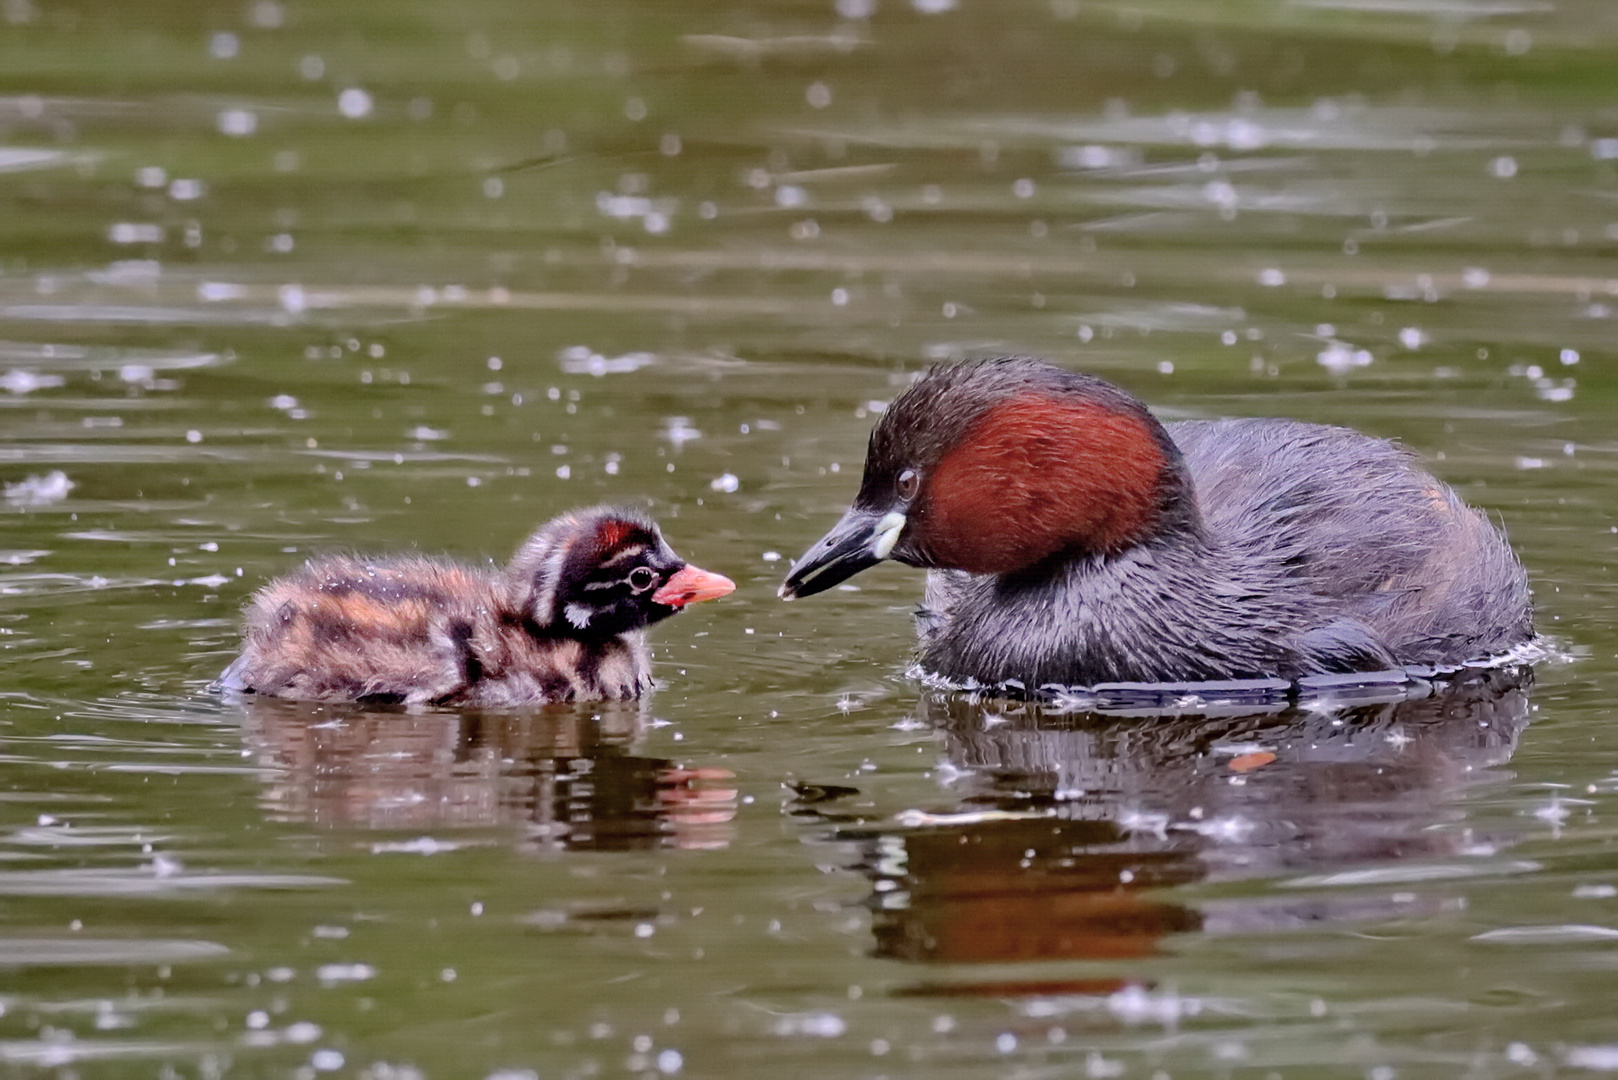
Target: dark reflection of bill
{"x": 568, "y": 777}
{"x": 1059, "y": 833}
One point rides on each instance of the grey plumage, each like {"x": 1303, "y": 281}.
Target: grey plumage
{"x": 1275, "y": 548}
{"x": 1314, "y": 549}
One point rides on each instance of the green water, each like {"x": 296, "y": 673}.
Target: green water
{"x": 278, "y": 278}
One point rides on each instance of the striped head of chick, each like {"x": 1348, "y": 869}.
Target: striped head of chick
{"x": 602, "y": 572}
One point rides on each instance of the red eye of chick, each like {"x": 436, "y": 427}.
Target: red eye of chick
{"x": 908, "y": 484}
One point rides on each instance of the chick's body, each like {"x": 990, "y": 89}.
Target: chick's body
{"x": 565, "y": 621}
{"x": 416, "y": 630}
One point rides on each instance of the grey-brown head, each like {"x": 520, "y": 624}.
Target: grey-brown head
{"x": 993, "y": 466}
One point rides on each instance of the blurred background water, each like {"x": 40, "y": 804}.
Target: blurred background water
{"x": 279, "y": 277}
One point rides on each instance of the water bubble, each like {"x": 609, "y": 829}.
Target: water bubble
{"x": 312, "y": 67}
{"x": 39, "y": 490}
{"x": 1339, "y": 357}
{"x": 267, "y": 15}
{"x": 1090, "y": 157}
{"x": 679, "y": 431}
{"x": 340, "y": 973}
{"x": 822, "y": 1025}
{"x": 1222, "y": 193}
{"x": 129, "y": 232}
{"x": 1271, "y": 277}
{"x": 326, "y": 1060}
{"x": 818, "y": 95}
{"x": 224, "y": 45}
{"x": 1243, "y": 134}
{"x": 1503, "y": 167}
{"x": 354, "y": 103}
{"x": 237, "y": 123}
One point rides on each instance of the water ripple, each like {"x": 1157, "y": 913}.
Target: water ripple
{"x": 54, "y": 952}
{"x": 145, "y": 882}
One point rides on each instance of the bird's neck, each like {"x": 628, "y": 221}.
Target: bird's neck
{"x": 1173, "y": 609}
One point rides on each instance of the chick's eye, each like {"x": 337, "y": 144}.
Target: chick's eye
{"x": 641, "y": 578}
{"x": 907, "y": 484}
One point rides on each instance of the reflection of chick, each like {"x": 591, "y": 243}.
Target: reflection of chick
{"x": 567, "y": 777}
{"x": 562, "y": 622}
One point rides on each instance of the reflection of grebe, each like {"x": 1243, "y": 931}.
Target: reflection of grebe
{"x": 1076, "y": 540}
{"x": 1060, "y": 827}
{"x": 570, "y": 776}
{"x": 562, "y": 622}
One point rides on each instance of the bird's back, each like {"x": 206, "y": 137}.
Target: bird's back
{"x": 1358, "y": 523}
{"x": 344, "y": 628}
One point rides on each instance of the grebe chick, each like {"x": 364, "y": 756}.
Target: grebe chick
{"x": 1073, "y": 540}
{"x": 563, "y": 621}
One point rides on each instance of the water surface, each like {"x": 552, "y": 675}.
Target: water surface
{"x": 279, "y": 278}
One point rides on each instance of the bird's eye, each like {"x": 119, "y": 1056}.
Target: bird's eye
{"x": 641, "y": 578}
{"x": 907, "y": 484}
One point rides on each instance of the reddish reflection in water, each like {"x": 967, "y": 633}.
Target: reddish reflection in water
{"x": 569, "y": 777}
{"x": 1059, "y": 832}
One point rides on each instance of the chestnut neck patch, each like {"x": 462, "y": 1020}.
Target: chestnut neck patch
{"x": 1036, "y": 475}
